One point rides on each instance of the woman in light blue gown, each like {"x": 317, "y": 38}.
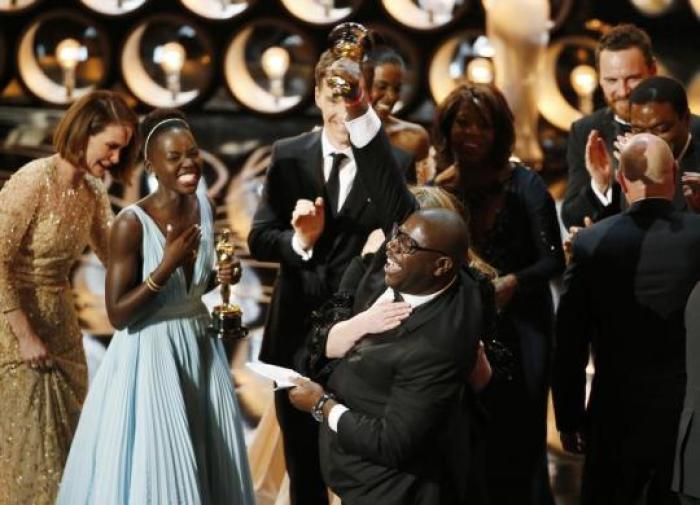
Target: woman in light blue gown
{"x": 161, "y": 424}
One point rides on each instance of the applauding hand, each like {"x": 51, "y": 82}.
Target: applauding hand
{"x": 598, "y": 162}
{"x": 308, "y": 220}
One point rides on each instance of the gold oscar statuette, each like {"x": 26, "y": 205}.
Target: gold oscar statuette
{"x": 347, "y": 40}
{"x": 226, "y": 317}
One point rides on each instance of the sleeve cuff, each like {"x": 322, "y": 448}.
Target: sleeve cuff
{"x": 334, "y": 416}
{"x": 605, "y": 199}
{"x": 364, "y": 128}
{"x": 296, "y": 246}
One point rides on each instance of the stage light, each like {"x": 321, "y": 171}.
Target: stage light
{"x": 653, "y": 8}
{"x": 171, "y": 58}
{"x": 269, "y": 67}
{"x": 584, "y": 80}
{"x": 425, "y": 14}
{"x": 439, "y": 11}
{"x": 61, "y": 56}
{"x": 166, "y": 61}
{"x": 321, "y": 12}
{"x": 113, "y": 7}
{"x": 483, "y": 47}
{"x": 70, "y": 52}
{"x": 480, "y": 71}
{"x": 275, "y": 63}
{"x": 217, "y": 9}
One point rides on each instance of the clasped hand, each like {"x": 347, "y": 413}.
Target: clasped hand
{"x": 180, "y": 248}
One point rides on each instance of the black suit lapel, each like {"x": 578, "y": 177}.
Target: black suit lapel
{"x": 313, "y": 162}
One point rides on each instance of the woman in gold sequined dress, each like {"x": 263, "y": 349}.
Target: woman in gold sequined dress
{"x": 50, "y": 210}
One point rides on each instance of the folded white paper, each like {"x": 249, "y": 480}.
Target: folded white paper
{"x": 283, "y": 377}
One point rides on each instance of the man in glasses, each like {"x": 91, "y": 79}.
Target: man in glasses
{"x": 393, "y": 413}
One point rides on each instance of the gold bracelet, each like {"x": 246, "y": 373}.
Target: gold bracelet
{"x": 153, "y": 285}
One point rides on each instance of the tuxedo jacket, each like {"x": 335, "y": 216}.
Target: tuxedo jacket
{"x": 296, "y": 171}
{"x": 405, "y": 435}
{"x": 625, "y": 293}
{"x": 579, "y": 199}
{"x": 687, "y": 460}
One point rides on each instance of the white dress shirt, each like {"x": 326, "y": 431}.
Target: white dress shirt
{"x": 361, "y": 131}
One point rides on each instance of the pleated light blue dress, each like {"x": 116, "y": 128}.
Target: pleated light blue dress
{"x": 161, "y": 424}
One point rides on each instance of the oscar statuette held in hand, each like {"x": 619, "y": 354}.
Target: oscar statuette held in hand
{"x": 226, "y": 317}
{"x": 352, "y": 41}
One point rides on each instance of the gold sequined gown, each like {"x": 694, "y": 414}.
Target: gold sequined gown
{"x": 43, "y": 231}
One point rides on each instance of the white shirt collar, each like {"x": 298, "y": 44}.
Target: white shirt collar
{"x": 327, "y": 148}
{"x": 418, "y": 300}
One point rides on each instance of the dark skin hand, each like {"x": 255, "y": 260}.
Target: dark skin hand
{"x": 305, "y": 395}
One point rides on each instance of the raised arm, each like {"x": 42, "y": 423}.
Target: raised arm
{"x": 376, "y": 164}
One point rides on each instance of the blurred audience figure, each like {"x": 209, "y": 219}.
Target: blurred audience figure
{"x": 624, "y": 295}
{"x": 623, "y": 59}
{"x": 514, "y": 228}
{"x": 385, "y": 74}
{"x": 50, "y": 210}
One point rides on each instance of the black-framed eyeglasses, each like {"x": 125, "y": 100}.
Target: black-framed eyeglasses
{"x": 406, "y": 244}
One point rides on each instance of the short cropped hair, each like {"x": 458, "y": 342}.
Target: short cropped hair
{"x": 664, "y": 90}
{"x": 625, "y": 36}
{"x": 90, "y": 115}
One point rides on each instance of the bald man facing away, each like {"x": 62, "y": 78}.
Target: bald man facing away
{"x": 624, "y": 295}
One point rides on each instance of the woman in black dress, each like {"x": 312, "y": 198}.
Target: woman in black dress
{"x": 514, "y": 228}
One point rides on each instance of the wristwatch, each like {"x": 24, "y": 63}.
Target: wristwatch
{"x": 317, "y": 411}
